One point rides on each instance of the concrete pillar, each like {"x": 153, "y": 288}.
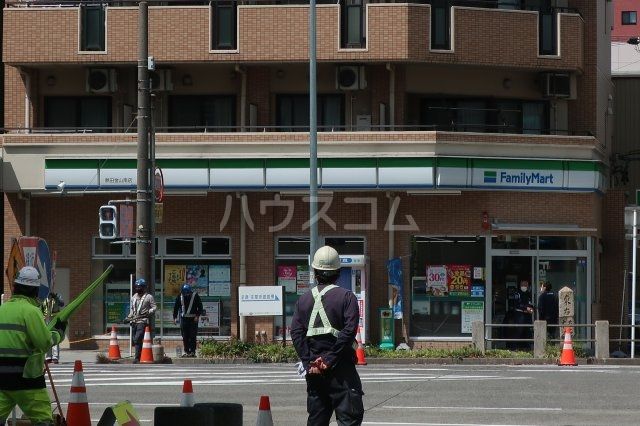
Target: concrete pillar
{"x": 539, "y": 338}
{"x": 602, "y": 339}
{"x": 477, "y": 335}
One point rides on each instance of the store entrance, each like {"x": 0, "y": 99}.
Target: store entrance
{"x": 508, "y": 272}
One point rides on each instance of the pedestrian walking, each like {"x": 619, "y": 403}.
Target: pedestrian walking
{"x": 323, "y": 330}
{"x": 50, "y": 307}
{"x": 548, "y": 309}
{"x": 523, "y": 315}
{"x": 141, "y": 309}
{"x": 186, "y": 311}
{"x": 24, "y": 340}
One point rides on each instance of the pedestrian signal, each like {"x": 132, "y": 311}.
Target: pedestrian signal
{"x": 108, "y": 222}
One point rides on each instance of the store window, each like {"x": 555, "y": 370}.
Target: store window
{"x": 292, "y": 272}
{"x": 448, "y": 285}
{"x": 513, "y": 242}
{"x": 179, "y": 246}
{"x": 346, "y": 245}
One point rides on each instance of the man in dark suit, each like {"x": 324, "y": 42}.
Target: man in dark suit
{"x": 548, "y": 309}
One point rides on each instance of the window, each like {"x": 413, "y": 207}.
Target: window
{"x": 548, "y": 33}
{"x": 292, "y": 112}
{"x": 92, "y": 113}
{"x": 224, "y": 25}
{"x": 175, "y": 246}
{"x": 440, "y": 16}
{"x": 292, "y": 272}
{"x": 353, "y": 24}
{"x": 202, "y": 113}
{"x": 212, "y": 246}
{"x": 348, "y": 245}
{"x": 629, "y": 17}
{"x": 93, "y": 28}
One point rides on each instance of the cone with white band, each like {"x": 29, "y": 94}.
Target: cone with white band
{"x": 78, "y": 407}
{"x": 567, "y": 357}
{"x": 187, "y": 399}
{"x": 114, "y": 348}
{"x": 146, "y": 356}
{"x": 264, "y": 412}
{"x": 362, "y": 360}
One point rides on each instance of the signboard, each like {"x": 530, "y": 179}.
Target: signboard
{"x": 260, "y": 300}
{"x": 287, "y": 277}
{"x": 174, "y": 277}
{"x": 220, "y": 280}
{"x": 517, "y": 178}
{"x": 459, "y": 280}
{"x": 126, "y": 223}
{"x": 211, "y": 317}
{"x": 158, "y": 211}
{"x": 197, "y": 279}
{"x": 437, "y": 280}
{"x": 303, "y": 279}
{"x": 471, "y": 311}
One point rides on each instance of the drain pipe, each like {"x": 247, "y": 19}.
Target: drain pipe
{"x": 392, "y": 95}
{"x": 27, "y": 100}
{"x": 243, "y": 97}
{"x": 243, "y": 255}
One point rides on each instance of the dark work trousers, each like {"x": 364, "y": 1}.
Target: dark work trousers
{"x": 523, "y": 318}
{"x": 339, "y": 389}
{"x": 189, "y": 330}
{"x": 137, "y": 336}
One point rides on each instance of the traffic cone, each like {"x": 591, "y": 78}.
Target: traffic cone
{"x": 146, "y": 356}
{"x": 78, "y": 407}
{"x": 360, "y": 350}
{"x": 114, "y": 348}
{"x": 264, "y": 412}
{"x": 567, "y": 357}
{"x": 187, "y": 399}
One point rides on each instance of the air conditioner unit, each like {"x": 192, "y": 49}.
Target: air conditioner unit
{"x": 101, "y": 80}
{"x": 556, "y": 85}
{"x": 350, "y": 77}
{"x": 161, "y": 80}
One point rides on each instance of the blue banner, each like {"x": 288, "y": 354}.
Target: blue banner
{"x": 394, "y": 270}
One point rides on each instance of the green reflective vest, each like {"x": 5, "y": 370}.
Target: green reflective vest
{"x": 318, "y": 310}
{"x": 23, "y": 334}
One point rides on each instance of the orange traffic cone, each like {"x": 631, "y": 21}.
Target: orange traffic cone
{"x": 360, "y": 350}
{"x": 567, "y": 357}
{"x": 114, "y": 349}
{"x": 146, "y": 356}
{"x": 187, "y": 399}
{"x": 264, "y": 412}
{"x": 78, "y": 407}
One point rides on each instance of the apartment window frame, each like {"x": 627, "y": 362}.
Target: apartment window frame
{"x": 81, "y": 103}
{"x": 629, "y": 17}
{"x": 200, "y": 101}
{"x": 86, "y": 44}
{"x": 299, "y": 98}
{"x": 218, "y": 8}
{"x": 347, "y": 9}
{"x": 440, "y": 11}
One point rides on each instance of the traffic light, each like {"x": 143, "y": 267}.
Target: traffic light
{"x": 108, "y": 222}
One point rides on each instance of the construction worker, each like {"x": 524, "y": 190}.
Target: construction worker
{"x": 24, "y": 340}
{"x": 187, "y": 310}
{"x": 323, "y": 330}
{"x": 141, "y": 309}
{"x": 50, "y": 307}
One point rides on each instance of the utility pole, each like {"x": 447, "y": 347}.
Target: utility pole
{"x": 143, "y": 197}
{"x": 313, "y": 137}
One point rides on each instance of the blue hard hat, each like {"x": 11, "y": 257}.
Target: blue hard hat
{"x": 141, "y": 282}
{"x": 186, "y": 289}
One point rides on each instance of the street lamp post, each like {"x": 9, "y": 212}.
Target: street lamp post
{"x": 313, "y": 135}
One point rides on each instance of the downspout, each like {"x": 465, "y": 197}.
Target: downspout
{"x": 243, "y": 97}
{"x": 27, "y": 100}
{"x": 243, "y": 254}
{"x": 392, "y": 96}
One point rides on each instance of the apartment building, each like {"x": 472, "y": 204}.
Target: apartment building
{"x": 469, "y": 139}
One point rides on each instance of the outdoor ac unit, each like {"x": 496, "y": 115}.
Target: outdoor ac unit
{"x": 101, "y": 80}
{"x": 350, "y": 77}
{"x": 161, "y": 80}
{"x": 556, "y": 85}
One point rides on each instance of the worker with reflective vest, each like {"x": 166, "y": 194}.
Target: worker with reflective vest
{"x": 24, "y": 341}
{"x": 323, "y": 330}
{"x": 186, "y": 311}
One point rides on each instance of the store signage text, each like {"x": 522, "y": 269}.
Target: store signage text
{"x": 520, "y": 178}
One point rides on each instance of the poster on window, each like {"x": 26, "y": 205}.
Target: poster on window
{"x": 437, "y": 280}
{"x": 211, "y": 317}
{"x": 471, "y": 311}
{"x": 302, "y": 284}
{"x": 174, "y": 277}
{"x": 197, "y": 279}
{"x": 287, "y": 277}
{"x": 220, "y": 280}
{"x": 459, "y": 280}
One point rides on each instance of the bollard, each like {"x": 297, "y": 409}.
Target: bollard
{"x": 477, "y": 335}
{"x": 602, "y": 339}
{"x": 539, "y": 338}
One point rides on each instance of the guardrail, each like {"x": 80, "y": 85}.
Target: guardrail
{"x": 482, "y": 336}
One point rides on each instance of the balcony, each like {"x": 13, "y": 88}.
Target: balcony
{"x": 43, "y": 33}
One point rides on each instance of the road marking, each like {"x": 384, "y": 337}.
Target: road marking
{"x": 441, "y": 424}
{"x": 395, "y": 407}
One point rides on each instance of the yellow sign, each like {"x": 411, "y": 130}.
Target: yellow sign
{"x": 125, "y": 414}
{"x": 174, "y": 277}
{"x": 159, "y": 212}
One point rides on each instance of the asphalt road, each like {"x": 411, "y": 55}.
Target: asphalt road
{"x": 395, "y": 394}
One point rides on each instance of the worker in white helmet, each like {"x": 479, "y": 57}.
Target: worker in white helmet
{"x": 24, "y": 341}
{"x": 323, "y": 330}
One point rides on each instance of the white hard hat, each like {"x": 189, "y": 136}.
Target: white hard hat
{"x": 326, "y": 259}
{"x": 28, "y": 276}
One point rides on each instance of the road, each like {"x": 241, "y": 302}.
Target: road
{"x": 395, "y": 394}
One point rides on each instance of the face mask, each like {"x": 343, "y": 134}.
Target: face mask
{"x": 140, "y": 291}
{"x": 524, "y": 289}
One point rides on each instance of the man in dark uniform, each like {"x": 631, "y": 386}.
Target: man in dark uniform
{"x": 187, "y": 310}
{"x": 323, "y": 330}
{"x": 523, "y": 314}
{"x": 548, "y": 309}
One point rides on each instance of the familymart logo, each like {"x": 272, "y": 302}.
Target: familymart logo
{"x": 518, "y": 178}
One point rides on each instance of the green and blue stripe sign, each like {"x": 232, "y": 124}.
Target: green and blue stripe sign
{"x": 335, "y": 173}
